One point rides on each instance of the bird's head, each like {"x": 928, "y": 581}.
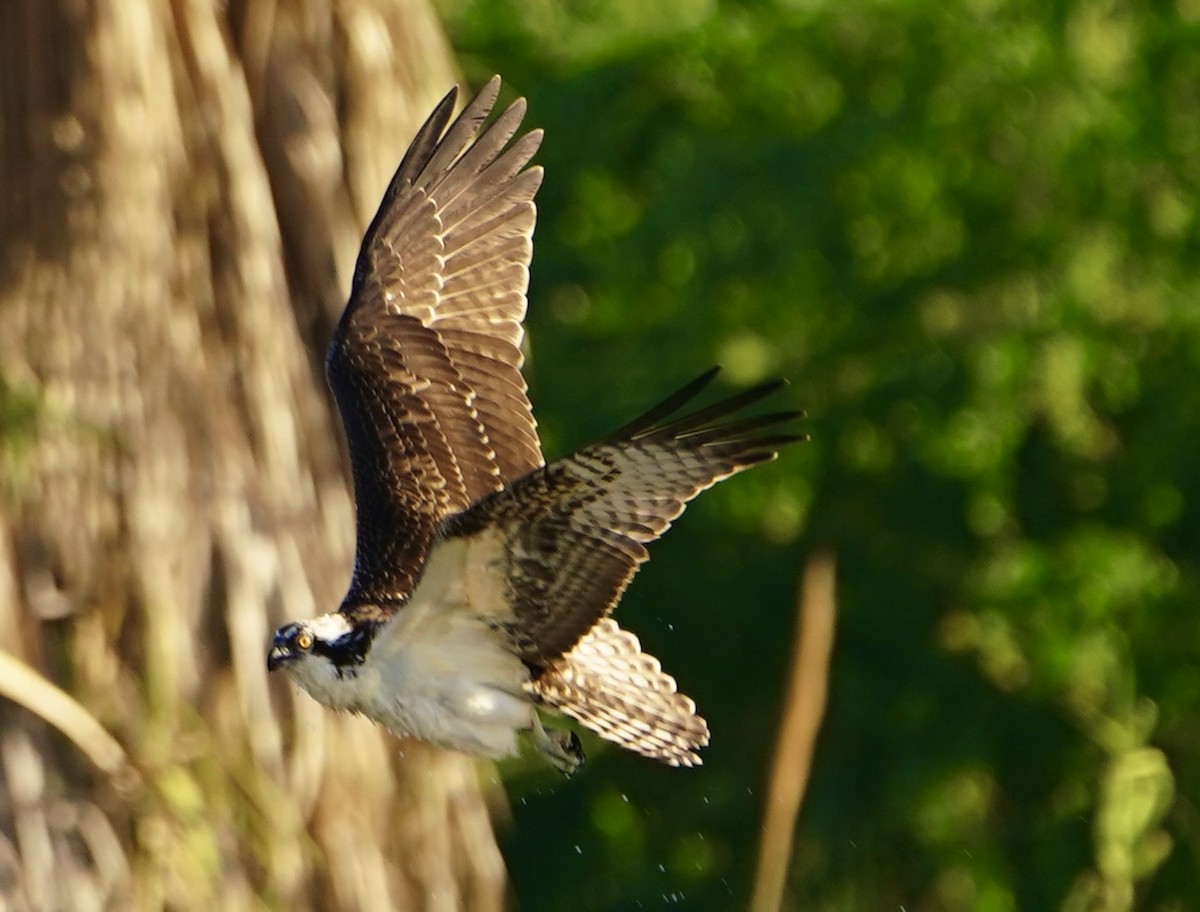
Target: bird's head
{"x": 317, "y": 649}
{"x": 291, "y": 643}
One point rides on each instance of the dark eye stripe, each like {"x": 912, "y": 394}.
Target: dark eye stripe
{"x": 349, "y": 650}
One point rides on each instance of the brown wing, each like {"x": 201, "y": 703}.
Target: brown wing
{"x": 575, "y": 532}
{"x": 425, "y": 364}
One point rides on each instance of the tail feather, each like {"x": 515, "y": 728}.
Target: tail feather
{"x": 622, "y": 694}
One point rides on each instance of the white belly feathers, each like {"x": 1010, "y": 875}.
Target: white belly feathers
{"x": 437, "y": 670}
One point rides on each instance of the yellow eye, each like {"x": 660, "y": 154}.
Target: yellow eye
{"x": 304, "y": 640}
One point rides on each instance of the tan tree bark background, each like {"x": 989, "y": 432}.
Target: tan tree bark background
{"x": 182, "y": 189}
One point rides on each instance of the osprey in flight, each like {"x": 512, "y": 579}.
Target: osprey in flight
{"x": 484, "y": 578}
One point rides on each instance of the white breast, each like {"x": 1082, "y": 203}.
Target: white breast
{"x": 437, "y": 670}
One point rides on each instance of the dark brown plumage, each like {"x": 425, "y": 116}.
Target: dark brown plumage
{"x": 425, "y": 364}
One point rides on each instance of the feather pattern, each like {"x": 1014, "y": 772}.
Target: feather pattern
{"x": 425, "y": 365}
{"x": 621, "y": 693}
{"x": 575, "y": 532}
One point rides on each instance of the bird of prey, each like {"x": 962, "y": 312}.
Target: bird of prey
{"x": 484, "y": 578}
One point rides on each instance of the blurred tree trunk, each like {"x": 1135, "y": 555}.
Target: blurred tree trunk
{"x": 183, "y": 188}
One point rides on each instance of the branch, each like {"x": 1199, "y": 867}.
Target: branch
{"x": 28, "y": 688}
{"x": 803, "y": 711}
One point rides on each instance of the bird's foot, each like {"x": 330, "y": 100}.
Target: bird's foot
{"x": 562, "y": 748}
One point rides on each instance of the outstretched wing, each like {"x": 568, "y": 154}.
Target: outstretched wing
{"x": 425, "y": 364}
{"x": 574, "y": 533}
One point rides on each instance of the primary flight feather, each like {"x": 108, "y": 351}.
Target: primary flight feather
{"x": 484, "y": 578}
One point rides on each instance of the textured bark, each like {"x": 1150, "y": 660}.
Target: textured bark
{"x": 184, "y": 185}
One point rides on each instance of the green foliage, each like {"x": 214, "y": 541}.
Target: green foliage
{"x": 968, "y": 234}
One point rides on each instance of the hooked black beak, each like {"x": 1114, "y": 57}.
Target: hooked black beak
{"x": 283, "y": 647}
{"x": 279, "y": 655}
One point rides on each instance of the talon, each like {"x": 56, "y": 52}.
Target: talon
{"x": 562, "y": 748}
{"x": 572, "y": 747}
